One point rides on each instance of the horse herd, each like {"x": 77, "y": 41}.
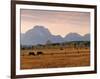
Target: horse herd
{"x": 34, "y": 54}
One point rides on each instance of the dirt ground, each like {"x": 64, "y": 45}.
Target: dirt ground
{"x": 55, "y": 58}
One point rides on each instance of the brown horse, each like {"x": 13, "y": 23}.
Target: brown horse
{"x": 32, "y": 53}
{"x": 39, "y": 53}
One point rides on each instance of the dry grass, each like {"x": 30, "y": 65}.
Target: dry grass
{"x": 54, "y": 58}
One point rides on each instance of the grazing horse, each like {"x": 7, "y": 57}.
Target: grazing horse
{"x": 39, "y": 53}
{"x": 31, "y": 53}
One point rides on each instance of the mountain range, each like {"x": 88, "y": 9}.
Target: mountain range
{"x": 40, "y": 35}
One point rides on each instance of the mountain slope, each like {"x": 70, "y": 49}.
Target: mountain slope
{"x": 40, "y": 35}
{"x": 73, "y": 37}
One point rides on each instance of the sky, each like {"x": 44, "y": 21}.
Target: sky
{"x": 57, "y": 22}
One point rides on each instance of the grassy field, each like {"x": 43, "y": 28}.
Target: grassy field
{"x": 55, "y": 58}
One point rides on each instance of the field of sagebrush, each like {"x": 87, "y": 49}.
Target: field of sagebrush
{"x": 55, "y": 58}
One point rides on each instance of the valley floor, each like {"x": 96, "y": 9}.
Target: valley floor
{"x": 55, "y": 58}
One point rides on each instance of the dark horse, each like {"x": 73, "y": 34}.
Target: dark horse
{"x": 39, "y": 53}
{"x": 31, "y": 53}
